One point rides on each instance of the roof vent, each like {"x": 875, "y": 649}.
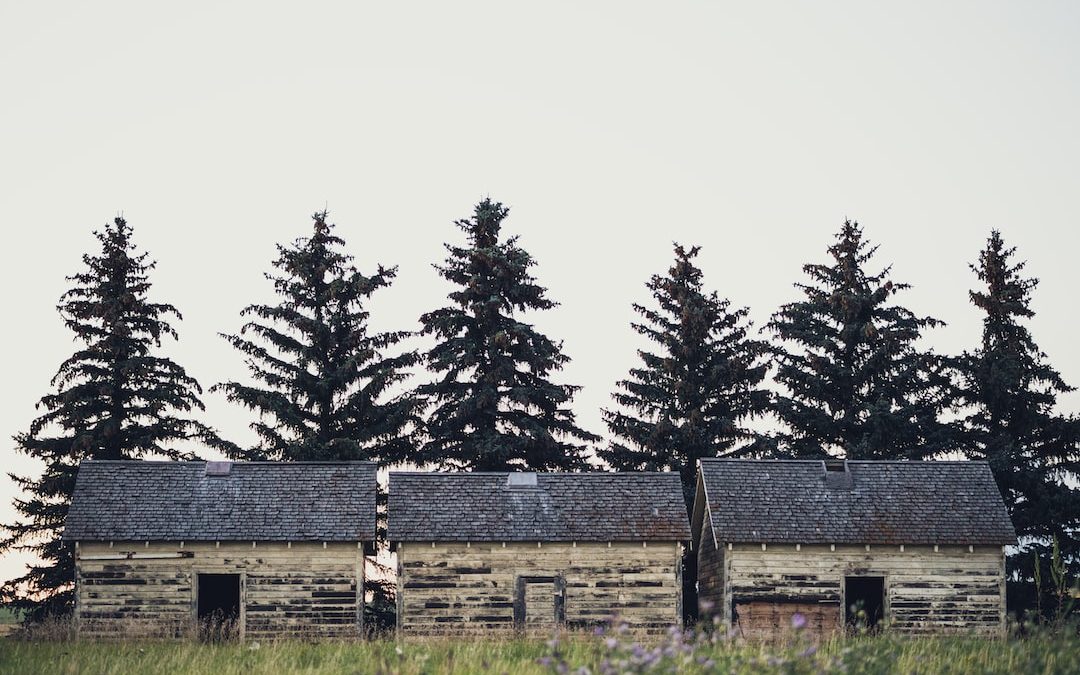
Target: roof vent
{"x": 218, "y": 468}
{"x": 837, "y": 475}
{"x": 521, "y": 480}
{"x": 836, "y": 465}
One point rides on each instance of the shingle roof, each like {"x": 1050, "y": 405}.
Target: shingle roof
{"x": 559, "y": 507}
{"x": 875, "y": 502}
{"x": 265, "y": 501}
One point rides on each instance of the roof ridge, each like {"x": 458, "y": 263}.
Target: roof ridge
{"x": 538, "y": 473}
{"x": 187, "y": 462}
{"x": 909, "y": 462}
{"x": 913, "y": 462}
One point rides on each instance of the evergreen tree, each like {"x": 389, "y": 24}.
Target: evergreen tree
{"x": 689, "y": 400}
{"x": 856, "y": 381}
{"x": 1011, "y": 392}
{"x": 115, "y": 398}
{"x": 324, "y": 383}
{"x": 493, "y": 406}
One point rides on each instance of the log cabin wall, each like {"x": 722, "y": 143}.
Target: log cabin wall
{"x": 480, "y": 587}
{"x": 286, "y": 591}
{"x": 710, "y": 574}
{"x": 951, "y": 590}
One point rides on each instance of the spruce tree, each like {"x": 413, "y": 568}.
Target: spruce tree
{"x": 856, "y": 382}
{"x": 324, "y": 385}
{"x": 691, "y": 398}
{"x": 115, "y": 398}
{"x": 493, "y": 406}
{"x": 1011, "y": 393}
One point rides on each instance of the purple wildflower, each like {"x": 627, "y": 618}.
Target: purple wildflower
{"x": 798, "y": 621}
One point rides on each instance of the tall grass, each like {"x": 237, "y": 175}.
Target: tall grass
{"x": 574, "y": 653}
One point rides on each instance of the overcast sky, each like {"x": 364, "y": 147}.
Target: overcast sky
{"x": 611, "y": 129}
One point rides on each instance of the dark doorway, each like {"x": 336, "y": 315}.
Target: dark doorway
{"x": 865, "y": 601}
{"x": 218, "y": 607}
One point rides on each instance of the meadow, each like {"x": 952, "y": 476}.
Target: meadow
{"x": 574, "y": 653}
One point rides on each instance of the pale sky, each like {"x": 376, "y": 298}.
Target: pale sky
{"x": 611, "y": 129}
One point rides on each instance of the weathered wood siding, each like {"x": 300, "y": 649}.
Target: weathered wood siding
{"x": 710, "y": 573}
{"x": 305, "y": 590}
{"x": 926, "y": 591}
{"x": 454, "y": 588}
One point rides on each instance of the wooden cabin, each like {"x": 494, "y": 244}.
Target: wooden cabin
{"x": 484, "y": 552}
{"x": 220, "y": 549}
{"x": 914, "y": 547}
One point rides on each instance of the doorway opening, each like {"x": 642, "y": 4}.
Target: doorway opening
{"x": 864, "y": 598}
{"x": 218, "y": 607}
{"x": 538, "y": 607}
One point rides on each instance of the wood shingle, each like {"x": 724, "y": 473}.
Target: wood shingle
{"x": 554, "y": 507}
{"x": 864, "y": 502}
{"x": 241, "y": 501}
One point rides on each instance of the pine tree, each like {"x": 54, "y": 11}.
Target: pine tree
{"x": 1012, "y": 392}
{"x": 324, "y": 383}
{"x": 115, "y": 398}
{"x": 691, "y": 399}
{"x": 493, "y": 407}
{"x": 856, "y": 382}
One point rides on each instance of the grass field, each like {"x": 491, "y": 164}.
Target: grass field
{"x": 575, "y": 654}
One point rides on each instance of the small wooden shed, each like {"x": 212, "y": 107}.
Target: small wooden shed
{"x": 914, "y": 547}
{"x": 221, "y": 549}
{"x": 482, "y": 552}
